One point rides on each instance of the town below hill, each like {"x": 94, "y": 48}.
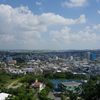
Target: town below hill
{"x": 31, "y": 75}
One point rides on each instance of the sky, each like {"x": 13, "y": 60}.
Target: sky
{"x": 50, "y": 24}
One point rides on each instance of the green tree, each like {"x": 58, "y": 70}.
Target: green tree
{"x": 49, "y": 75}
{"x": 69, "y": 75}
{"x": 43, "y": 80}
{"x": 71, "y": 95}
{"x": 90, "y": 91}
{"x": 22, "y": 96}
{"x": 44, "y": 93}
{"x": 60, "y": 75}
{"x": 50, "y": 85}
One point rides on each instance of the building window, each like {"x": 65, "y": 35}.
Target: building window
{"x": 69, "y": 86}
{"x": 74, "y": 86}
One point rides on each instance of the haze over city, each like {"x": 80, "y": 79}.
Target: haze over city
{"x": 49, "y": 24}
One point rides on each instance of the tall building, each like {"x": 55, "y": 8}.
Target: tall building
{"x": 92, "y": 57}
{"x": 71, "y": 58}
{"x": 88, "y": 55}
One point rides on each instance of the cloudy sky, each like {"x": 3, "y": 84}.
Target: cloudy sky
{"x": 50, "y": 24}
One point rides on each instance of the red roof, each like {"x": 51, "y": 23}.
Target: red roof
{"x": 47, "y": 70}
{"x": 31, "y": 87}
{"x": 37, "y": 83}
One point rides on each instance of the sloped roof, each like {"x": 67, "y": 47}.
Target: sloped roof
{"x": 31, "y": 87}
{"x": 37, "y": 83}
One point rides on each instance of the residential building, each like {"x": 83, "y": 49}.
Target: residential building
{"x": 11, "y": 62}
{"x": 38, "y": 85}
{"x": 71, "y": 86}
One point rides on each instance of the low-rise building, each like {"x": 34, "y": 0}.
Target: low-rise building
{"x": 38, "y": 85}
{"x": 3, "y": 96}
{"x": 11, "y": 62}
{"x": 71, "y": 86}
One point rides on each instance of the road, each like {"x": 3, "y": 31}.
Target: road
{"x": 54, "y": 96}
{"x": 15, "y": 82}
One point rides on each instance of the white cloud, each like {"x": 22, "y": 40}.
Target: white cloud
{"x": 87, "y": 29}
{"x": 4, "y": 0}
{"x": 52, "y": 19}
{"x": 97, "y": 1}
{"x": 7, "y": 38}
{"x": 61, "y": 35}
{"x": 98, "y": 11}
{"x": 75, "y": 3}
{"x": 38, "y": 3}
{"x": 65, "y": 36}
{"x": 97, "y": 27}
{"x": 20, "y": 26}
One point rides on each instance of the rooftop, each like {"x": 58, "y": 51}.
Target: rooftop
{"x": 70, "y": 83}
{"x": 3, "y": 96}
{"x": 37, "y": 83}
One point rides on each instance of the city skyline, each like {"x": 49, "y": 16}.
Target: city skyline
{"x": 49, "y": 24}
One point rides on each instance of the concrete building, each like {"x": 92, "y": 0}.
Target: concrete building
{"x": 3, "y": 96}
{"x": 38, "y": 85}
{"x": 11, "y": 62}
{"x": 71, "y": 86}
{"x": 88, "y": 55}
